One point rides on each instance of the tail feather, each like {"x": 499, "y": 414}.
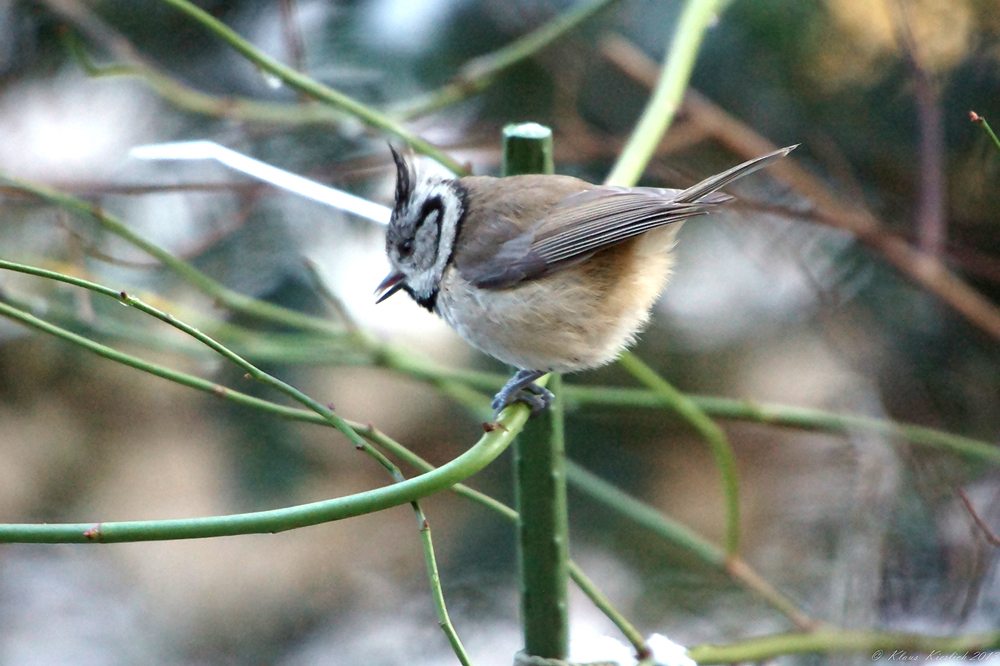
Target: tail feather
{"x": 706, "y": 187}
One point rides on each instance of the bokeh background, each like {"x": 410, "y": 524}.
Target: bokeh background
{"x": 772, "y": 301}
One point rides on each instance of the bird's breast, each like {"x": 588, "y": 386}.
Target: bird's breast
{"x": 576, "y": 318}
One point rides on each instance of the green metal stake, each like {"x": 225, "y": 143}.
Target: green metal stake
{"x": 540, "y": 463}
{"x": 527, "y": 149}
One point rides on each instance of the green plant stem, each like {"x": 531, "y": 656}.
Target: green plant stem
{"x": 444, "y": 620}
{"x": 979, "y": 120}
{"x": 380, "y": 439}
{"x": 633, "y": 635}
{"x": 789, "y": 416}
{"x": 369, "y": 432}
{"x": 669, "y": 529}
{"x": 803, "y": 418}
{"x": 681, "y": 535}
{"x": 696, "y": 17}
{"x": 313, "y": 88}
{"x": 710, "y": 432}
{"x": 477, "y": 74}
{"x": 332, "y": 419}
{"x": 876, "y": 644}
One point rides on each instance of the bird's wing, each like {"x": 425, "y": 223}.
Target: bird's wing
{"x": 505, "y": 254}
{"x": 599, "y": 218}
{"x": 584, "y": 222}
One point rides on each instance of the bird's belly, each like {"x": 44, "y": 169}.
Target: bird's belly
{"x": 577, "y": 318}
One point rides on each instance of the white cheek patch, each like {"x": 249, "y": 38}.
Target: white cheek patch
{"x": 432, "y": 245}
{"x": 453, "y": 209}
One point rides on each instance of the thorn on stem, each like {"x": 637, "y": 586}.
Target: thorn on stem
{"x": 94, "y": 533}
{"x": 247, "y": 376}
{"x": 495, "y": 425}
{"x": 220, "y": 390}
{"x": 329, "y": 406}
{"x": 976, "y": 118}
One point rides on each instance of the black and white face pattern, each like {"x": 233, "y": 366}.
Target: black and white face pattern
{"x": 422, "y": 230}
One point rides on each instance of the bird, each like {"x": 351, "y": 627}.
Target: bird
{"x": 547, "y": 273}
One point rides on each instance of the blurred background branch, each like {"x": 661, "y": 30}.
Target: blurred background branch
{"x": 920, "y": 265}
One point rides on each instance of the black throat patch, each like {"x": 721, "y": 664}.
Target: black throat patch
{"x": 430, "y": 302}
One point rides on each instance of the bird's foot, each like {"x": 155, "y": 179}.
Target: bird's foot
{"x": 522, "y": 388}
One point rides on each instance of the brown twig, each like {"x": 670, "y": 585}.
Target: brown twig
{"x": 293, "y": 34}
{"x": 931, "y": 224}
{"x": 921, "y": 267}
{"x": 293, "y": 40}
{"x": 991, "y": 537}
{"x": 743, "y": 574}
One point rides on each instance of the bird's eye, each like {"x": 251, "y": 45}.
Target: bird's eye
{"x": 406, "y": 248}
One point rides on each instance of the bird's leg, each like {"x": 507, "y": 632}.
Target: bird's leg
{"x": 521, "y": 388}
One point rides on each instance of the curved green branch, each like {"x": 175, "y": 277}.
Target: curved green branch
{"x": 709, "y": 431}
{"x": 481, "y": 454}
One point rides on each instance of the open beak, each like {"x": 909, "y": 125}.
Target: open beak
{"x": 389, "y": 286}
